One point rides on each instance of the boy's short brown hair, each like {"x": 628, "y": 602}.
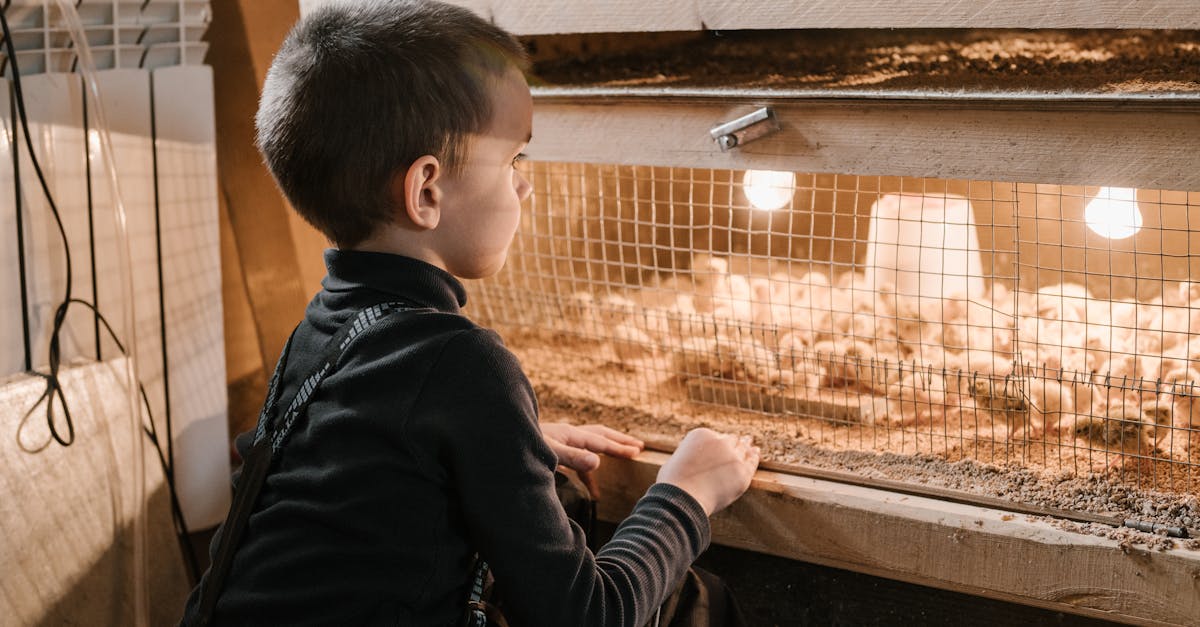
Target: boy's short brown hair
{"x": 361, "y": 89}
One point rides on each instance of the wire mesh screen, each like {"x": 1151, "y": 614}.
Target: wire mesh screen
{"x": 1010, "y": 324}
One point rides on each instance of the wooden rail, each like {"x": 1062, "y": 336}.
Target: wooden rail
{"x": 536, "y": 17}
{"x": 965, "y": 548}
{"x": 1051, "y": 142}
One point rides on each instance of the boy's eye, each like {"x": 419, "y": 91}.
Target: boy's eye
{"x": 517, "y": 159}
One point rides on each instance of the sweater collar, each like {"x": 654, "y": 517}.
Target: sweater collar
{"x": 404, "y": 277}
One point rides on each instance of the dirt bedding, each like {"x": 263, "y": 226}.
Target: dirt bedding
{"x": 580, "y": 382}
{"x": 947, "y": 61}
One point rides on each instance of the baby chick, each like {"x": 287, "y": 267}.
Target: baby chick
{"x": 1122, "y": 430}
{"x": 1157, "y": 413}
{"x": 1003, "y": 397}
{"x": 919, "y": 396}
{"x": 630, "y": 343}
{"x": 847, "y": 363}
{"x": 1049, "y": 400}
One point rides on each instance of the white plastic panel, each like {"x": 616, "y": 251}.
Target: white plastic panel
{"x": 54, "y": 104}
{"x": 12, "y": 349}
{"x": 125, "y": 95}
{"x": 188, "y": 212}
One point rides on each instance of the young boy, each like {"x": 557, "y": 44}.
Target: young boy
{"x": 394, "y": 127}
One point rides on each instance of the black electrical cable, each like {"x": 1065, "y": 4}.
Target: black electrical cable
{"x": 162, "y": 303}
{"x": 27, "y": 343}
{"x": 87, "y": 178}
{"x": 53, "y": 385}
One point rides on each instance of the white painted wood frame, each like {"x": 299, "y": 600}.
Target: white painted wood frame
{"x": 1117, "y": 144}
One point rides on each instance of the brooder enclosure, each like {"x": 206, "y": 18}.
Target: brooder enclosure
{"x": 954, "y": 268}
{"x": 873, "y": 323}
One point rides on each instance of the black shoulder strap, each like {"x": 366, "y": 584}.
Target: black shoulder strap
{"x": 269, "y": 438}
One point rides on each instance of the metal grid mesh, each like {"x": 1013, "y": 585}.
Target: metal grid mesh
{"x": 960, "y": 319}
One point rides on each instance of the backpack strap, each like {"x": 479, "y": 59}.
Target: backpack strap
{"x": 269, "y": 438}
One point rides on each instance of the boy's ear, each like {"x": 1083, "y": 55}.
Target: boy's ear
{"x": 419, "y": 191}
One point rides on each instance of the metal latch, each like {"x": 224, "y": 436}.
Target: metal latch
{"x": 745, "y": 129}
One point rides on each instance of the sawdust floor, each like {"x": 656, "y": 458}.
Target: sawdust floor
{"x": 937, "y": 60}
{"x": 577, "y": 381}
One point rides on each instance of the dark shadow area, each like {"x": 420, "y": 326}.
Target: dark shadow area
{"x": 778, "y": 592}
{"x": 104, "y": 594}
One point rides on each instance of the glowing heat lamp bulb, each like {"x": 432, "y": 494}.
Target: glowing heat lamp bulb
{"x": 1114, "y": 213}
{"x": 767, "y": 189}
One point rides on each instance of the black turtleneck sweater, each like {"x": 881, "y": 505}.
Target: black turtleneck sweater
{"x": 421, "y": 449}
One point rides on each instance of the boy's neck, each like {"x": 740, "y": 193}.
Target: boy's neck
{"x": 396, "y": 240}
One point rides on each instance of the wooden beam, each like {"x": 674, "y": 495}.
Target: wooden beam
{"x": 258, "y": 215}
{"x": 483, "y": 8}
{"x": 771, "y": 14}
{"x": 547, "y": 17}
{"x": 534, "y": 17}
{"x": 1058, "y": 143}
{"x": 976, "y": 550}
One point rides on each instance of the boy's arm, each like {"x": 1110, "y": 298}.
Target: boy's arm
{"x": 504, "y": 472}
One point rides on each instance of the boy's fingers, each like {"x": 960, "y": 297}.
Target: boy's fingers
{"x": 617, "y": 436}
{"x": 599, "y": 443}
{"x": 577, "y": 459}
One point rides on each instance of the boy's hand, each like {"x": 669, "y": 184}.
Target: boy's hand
{"x": 715, "y": 468}
{"x": 577, "y": 447}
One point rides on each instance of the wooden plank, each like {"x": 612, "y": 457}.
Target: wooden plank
{"x": 185, "y": 138}
{"x": 1113, "y": 145}
{"x": 525, "y": 17}
{"x": 966, "y": 548}
{"x": 242, "y": 354}
{"x": 547, "y": 17}
{"x": 771, "y": 14}
{"x": 310, "y": 245}
{"x": 482, "y": 8}
{"x": 253, "y": 32}
{"x": 797, "y": 401}
{"x": 66, "y": 512}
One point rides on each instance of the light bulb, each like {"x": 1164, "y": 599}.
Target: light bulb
{"x": 768, "y": 189}
{"x": 1114, "y": 213}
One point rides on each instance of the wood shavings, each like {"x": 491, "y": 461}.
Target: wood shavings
{"x": 990, "y": 60}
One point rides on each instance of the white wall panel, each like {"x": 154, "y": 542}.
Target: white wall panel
{"x": 188, "y": 212}
{"x": 12, "y": 345}
{"x": 125, "y": 96}
{"x": 54, "y": 104}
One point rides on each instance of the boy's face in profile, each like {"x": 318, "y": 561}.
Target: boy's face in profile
{"x": 481, "y": 204}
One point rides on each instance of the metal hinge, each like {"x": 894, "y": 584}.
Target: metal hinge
{"x": 745, "y": 129}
